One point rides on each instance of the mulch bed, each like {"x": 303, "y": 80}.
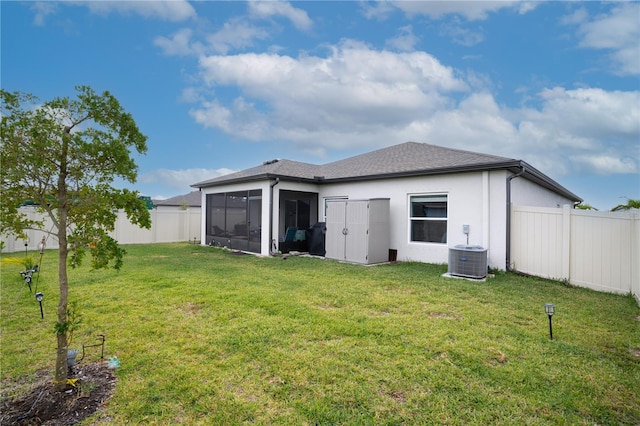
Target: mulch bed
{"x": 34, "y": 401}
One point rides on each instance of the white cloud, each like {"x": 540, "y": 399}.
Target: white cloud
{"x": 593, "y": 113}
{"x": 235, "y": 34}
{"x": 525, "y": 7}
{"x": 379, "y": 10}
{"x": 190, "y": 95}
{"x": 360, "y": 97}
{"x": 618, "y": 32}
{"x": 306, "y": 99}
{"x": 587, "y": 129}
{"x": 168, "y": 10}
{"x": 606, "y": 164}
{"x": 267, "y": 9}
{"x": 180, "y": 179}
{"x": 578, "y": 16}
{"x": 471, "y": 10}
{"x": 212, "y": 114}
{"x": 42, "y": 9}
{"x": 476, "y": 123}
{"x": 405, "y": 40}
{"x": 459, "y": 34}
{"x": 179, "y": 43}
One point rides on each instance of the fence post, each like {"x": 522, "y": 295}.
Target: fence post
{"x": 635, "y": 252}
{"x": 566, "y": 242}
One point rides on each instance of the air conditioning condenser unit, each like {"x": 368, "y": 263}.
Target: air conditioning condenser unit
{"x": 468, "y": 261}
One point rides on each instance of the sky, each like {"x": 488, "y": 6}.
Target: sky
{"x": 221, "y": 86}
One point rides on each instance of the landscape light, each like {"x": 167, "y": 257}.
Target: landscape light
{"x": 550, "y": 309}
{"x": 39, "y": 297}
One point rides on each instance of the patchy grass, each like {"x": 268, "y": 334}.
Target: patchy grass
{"x": 205, "y": 337}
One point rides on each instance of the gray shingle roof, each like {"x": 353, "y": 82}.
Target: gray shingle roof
{"x": 274, "y": 168}
{"x": 406, "y": 159}
{"x": 192, "y": 199}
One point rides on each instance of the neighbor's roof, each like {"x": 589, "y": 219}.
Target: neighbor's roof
{"x": 407, "y": 159}
{"x": 192, "y": 199}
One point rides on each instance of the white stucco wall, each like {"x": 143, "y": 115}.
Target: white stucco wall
{"x": 527, "y": 193}
{"x": 472, "y": 200}
{"x": 477, "y": 199}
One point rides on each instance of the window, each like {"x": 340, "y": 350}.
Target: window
{"x": 428, "y": 218}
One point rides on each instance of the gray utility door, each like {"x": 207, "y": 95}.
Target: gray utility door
{"x": 347, "y": 230}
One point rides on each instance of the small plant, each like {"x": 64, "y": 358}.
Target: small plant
{"x": 565, "y": 282}
{"x": 85, "y": 388}
{"x": 72, "y": 323}
{"x": 28, "y": 262}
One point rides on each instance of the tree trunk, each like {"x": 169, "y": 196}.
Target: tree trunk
{"x": 61, "y": 358}
{"x": 63, "y": 209}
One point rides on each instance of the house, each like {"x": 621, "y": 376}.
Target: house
{"x": 437, "y": 198}
{"x": 192, "y": 200}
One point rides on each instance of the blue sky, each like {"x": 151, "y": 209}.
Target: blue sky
{"x": 224, "y": 86}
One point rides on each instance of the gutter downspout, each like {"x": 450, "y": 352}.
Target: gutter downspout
{"x": 272, "y": 247}
{"x": 508, "y": 246}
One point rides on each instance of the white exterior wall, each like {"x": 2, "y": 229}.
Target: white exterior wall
{"x": 527, "y": 193}
{"x": 477, "y": 199}
{"x": 472, "y": 200}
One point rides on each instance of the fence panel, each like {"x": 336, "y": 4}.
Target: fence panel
{"x": 602, "y": 249}
{"x": 536, "y": 244}
{"x": 167, "y": 226}
{"x": 598, "y": 250}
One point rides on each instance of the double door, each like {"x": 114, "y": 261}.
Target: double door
{"x": 358, "y": 230}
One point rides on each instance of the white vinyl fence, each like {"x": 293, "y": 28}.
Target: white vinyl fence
{"x": 167, "y": 226}
{"x": 597, "y": 250}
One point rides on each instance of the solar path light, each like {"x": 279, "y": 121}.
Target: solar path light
{"x": 39, "y": 297}
{"x": 550, "y": 309}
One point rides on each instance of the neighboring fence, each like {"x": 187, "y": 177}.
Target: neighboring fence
{"x": 597, "y": 250}
{"x": 166, "y": 226}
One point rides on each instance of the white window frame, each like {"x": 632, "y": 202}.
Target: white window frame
{"x": 435, "y": 197}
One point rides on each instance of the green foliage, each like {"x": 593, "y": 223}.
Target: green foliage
{"x": 63, "y": 156}
{"x": 631, "y": 204}
{"x": 71, "y": 323}
{"x": 27, "y": 261}
{"x": 206, "y": 337}
{"x": 585, "y": 206}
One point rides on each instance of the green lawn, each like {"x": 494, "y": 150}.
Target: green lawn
{"x": 208, "y": 337}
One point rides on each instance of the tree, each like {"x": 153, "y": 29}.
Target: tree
{"x": 631, "y": 204}
{"x": 585, "y": 206}
{"x": 64, "y": 155}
